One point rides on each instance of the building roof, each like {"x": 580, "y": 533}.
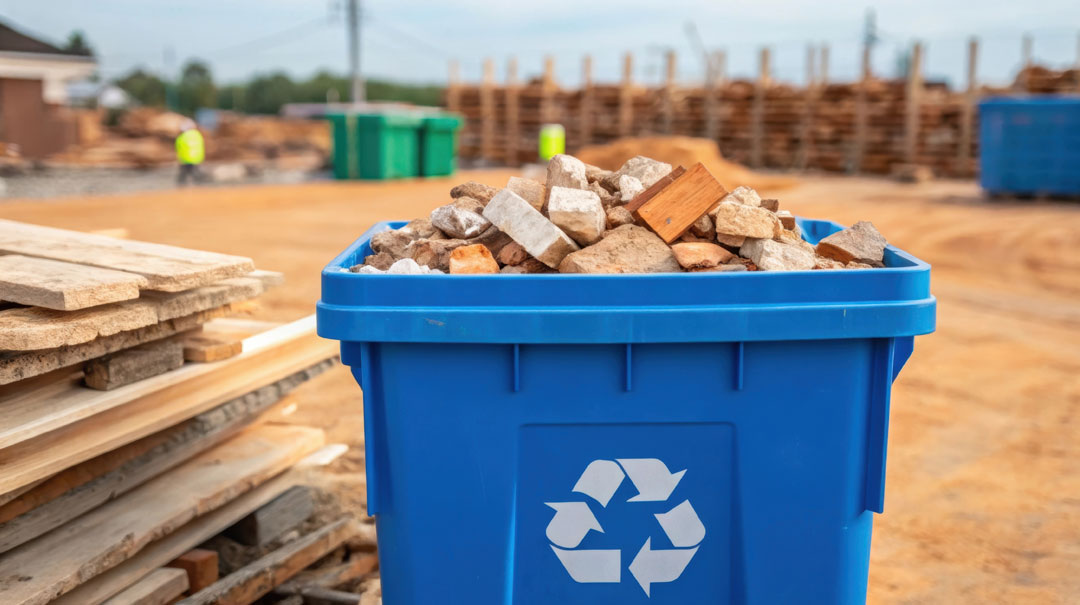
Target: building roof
{"x": 15, "y": 41}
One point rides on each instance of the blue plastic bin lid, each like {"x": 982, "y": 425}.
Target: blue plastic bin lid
{"x": 1039, "y": 101}
{"x": 659, "y": 307}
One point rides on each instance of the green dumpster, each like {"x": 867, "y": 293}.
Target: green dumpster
{"x": 375, "y": 146}
{"x": 438, "y": 145}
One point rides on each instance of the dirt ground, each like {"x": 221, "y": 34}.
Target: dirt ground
{"x": 983, "y": 496}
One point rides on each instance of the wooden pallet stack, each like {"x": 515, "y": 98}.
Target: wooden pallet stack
{"x": 137, "y": 422}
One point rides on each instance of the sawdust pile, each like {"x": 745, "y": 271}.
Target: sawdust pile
{"x": 681, "y": 151}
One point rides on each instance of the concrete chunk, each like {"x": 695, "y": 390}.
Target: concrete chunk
{"x": 700, "y": 255}
{"x": 743, "y": 195}
{"x": 478, "y": 191}
{"x": 531, "y": 191}
{"x": 771, "y": 204}
{"x": 629, "y": 188}
{"x": 578, "y": 213}
{"x": 460, "y": 220}
{"x": 392, "y": 243}
{"x": 771, "y": 255}
{"x": 786, "y": 219}
{"x": 733, "y": 218}
{"x": 525, "y": 225}
{"x": 617, "y": 216}
{"x": 628, "y": 249}
{"x": 566, "y": 171}
{"x": 607, "y": 198}
{"x": 646, "y": 170}
{"x": 731, "y": 241}
{"x": 472, "y": 259}
{"x": 861, "y": 243}
{"x": 595, "y": 174}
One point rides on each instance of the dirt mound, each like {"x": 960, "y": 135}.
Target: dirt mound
{"x": 684, "y": 151}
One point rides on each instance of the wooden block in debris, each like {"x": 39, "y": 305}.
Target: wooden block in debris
{"x": 161, "y": 587}
{"x": 649, "y": 193}
{"x": 39, "y": 282}
{"x": 675, "y": 208}
{"x": 202, "y": 348}
{"x": 201, "y": 567}
{"x": 134, "y": 364}
{"x": 271, "y": 521}
{"x": 167, "y": 268}
{"x": 256, "y": 579}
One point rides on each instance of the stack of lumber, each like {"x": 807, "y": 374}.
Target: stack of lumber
{"x": 104, "y": 490}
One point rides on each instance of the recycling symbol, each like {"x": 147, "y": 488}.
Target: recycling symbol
{"x": 654, "y": 483}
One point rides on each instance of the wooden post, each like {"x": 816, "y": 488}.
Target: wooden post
{"x": 862, "y": 113}
{"x": 513, "y": 117}
{"x": 757, "y": 112}
{"x": 1027, "y": 46}
{"x": 710, "y": 128}
{"x": 667, "y": 108}
{"x": 453, "y": 87}
{"x": 963, "y": 153}
{"x": 547, "y": 92}
{"x": 805, "y": 143}
{"x": 487, "y": 112}
{"x": 823, "y": 71}
{"x": 912, "y": 101}
{"x": 585, "y": 111}
{"x": 626, "y": 96}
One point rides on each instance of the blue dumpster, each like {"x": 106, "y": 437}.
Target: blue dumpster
{"x": 665, "y": 438}
{"x": 1030, "y": 146}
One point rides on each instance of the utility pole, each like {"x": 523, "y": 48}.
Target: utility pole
{"x": 359, "y": 95}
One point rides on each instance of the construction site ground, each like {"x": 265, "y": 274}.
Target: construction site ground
{"x": 983, "y": 493}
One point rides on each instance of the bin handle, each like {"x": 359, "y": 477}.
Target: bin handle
{"x": 883, "y": 369}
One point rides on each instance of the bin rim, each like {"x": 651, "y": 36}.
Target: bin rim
{"x": 1054, "y": 99}
{"x": 660, "y": 307}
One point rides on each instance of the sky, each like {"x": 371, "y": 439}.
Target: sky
{"x": 414, "y": 40}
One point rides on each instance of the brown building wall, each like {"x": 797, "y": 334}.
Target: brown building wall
{"x": 25, "y": 120}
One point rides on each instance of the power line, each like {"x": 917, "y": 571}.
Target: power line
{"x": 276, "y": 37}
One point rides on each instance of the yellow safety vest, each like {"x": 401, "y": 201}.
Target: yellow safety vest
{"x": 190, "y": 148}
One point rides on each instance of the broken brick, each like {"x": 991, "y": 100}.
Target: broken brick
{"x": 472, "y": 259}
{"x": 700, "y": 255}
{"x": 861, "y": 242}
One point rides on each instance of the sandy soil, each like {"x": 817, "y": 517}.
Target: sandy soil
{"x": 983, "y": 497}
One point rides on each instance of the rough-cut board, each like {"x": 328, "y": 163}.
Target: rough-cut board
{"x": 116, "y": 531}
{"x": 357, "y": 566}
{"x": 655, "y": 188}
{"x": 100, "y": 588}
{"x": 200, "y": 565}
{"x": 679, "y": 205}
{"x": 86, "y": 486}
{"x": 134, "y": 364}
{"x": 33, "y": 328}
{"x": 271, "y": 521}
{"x": 21, "y": 365}
{"x": 252, "y": 581}
{"x": 167, "y": 268}
{"x": 161, "y": 587}
{"x": 77, "y": 424}
{"x": 63, "y": 286}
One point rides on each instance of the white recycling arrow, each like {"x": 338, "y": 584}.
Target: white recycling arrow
{"x": 591, "y": 566}
{"x": 572, "y": 521}
{"x": 682, "y": 525}
{"x": 657, "y": 566}
{"x": 651, "y": 477}
{"x": 600, "y": 481}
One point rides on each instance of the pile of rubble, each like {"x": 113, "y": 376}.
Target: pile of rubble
{"x": 645, "y": 217}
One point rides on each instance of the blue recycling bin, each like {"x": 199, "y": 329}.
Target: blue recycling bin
{"x": 1030, "y": 145}
{"x": 665, "y": 438}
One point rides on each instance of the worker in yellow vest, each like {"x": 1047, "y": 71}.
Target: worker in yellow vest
{"x": 190, "y": 152}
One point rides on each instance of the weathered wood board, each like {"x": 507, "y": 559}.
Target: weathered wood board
{"x": 63, "y": 286}
{"x": 161, "y": 587}
{"x": 676, "y": 207}
{"x": 167, "y": 268}
{"x": 132, "y": 365}
{"x": 116, "y": 531}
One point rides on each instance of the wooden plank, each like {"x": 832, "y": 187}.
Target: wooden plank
{"x": 132, "y": 365}
{"x": 626, "y": 97}
{"x": 63, "y": 286}
{"x": 453, "y": 86}
{"x": 86, "y": 486}
{"x": 161, "y": 587}
{"x": 252, "y": 581}
{"x": 115, "y": 580}
{"x": 547, "y": 92}
{"x": 639, "y": 201}
{"x": 513, "y": 116}
{"x": 275, "y": 518}
{"x": 35, "y": 328}
{"x": 269, "y": 279}
{"x": 203, "y": 348}
{"x": 78, "y": 424}
{"x": 168, "y": 268}
{"x": 679, "y": 205}
{"x": 813, "y": 89}
{"x": 358, "y": 566}
{"x": 757, "y": 111}
{"x": 114, "y": 532}
{"x": 912, "y": 102}
{"x": 713, "y": 78}
{"x": 21, "y": 365}
{"x": 200, "y": 566}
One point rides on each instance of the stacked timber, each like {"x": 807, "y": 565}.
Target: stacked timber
{"x": 137, "y": 421}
